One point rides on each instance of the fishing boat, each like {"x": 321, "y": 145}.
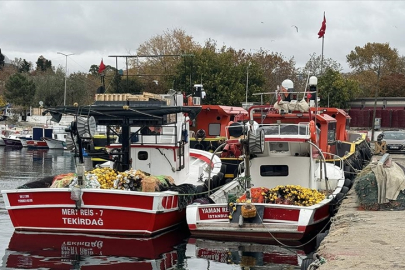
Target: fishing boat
{"x": 289, "y": 187}
{"x": 57, "y": 142}
{"x": 127, "y": 198}
{"x": 29, "y": 250}
{"x": 208, "y": 130}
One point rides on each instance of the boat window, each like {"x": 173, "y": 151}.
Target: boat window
{"x": 279, "y": 146}
{"x": 331, "y": 132}
{"x": 214, "y": 129}
{"x": 274, "y": 170}
{"x": 143, "y": 155}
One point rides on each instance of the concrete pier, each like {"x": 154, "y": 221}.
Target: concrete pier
{"x": 361, "y": 239}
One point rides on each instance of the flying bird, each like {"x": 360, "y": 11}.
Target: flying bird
{"x": 296, "y": 27}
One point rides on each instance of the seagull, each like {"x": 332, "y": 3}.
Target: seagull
{"x": 295, "y": 27}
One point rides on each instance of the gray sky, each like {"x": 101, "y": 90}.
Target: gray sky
{"x": 93, "y": 30}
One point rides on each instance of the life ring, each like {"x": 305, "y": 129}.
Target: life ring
{"x": 312, "y": 131}
{"x": 3, "y": 132}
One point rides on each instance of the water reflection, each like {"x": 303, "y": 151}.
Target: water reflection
{"x": 249, "y": 255}
{"x": 81, "y": 251}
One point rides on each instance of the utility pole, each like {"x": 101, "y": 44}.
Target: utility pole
{"x": 247, "y": 82}
{"x": 66, "y": 55}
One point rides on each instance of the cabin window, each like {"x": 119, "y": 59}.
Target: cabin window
{"x": 214, "y": 129}
{"x": 279, "y": 146}
{"x": 331, "y": 132}
{"x": 143, "y": 155}
{"x": 274, "y": 170}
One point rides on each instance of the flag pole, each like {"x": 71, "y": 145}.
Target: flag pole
{"x": 323, "y": 39}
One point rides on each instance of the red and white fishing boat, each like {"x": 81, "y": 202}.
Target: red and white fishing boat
{"x": 286, "y": 193}
{"x": 31, "y": 250}
{"x": 117, "y": 211}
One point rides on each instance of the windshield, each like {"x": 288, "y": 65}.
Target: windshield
{"x": 394, "y": 136}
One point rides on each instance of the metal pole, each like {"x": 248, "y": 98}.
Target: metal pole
{"x": 247, "y": 82}
{"x": 66, "y": 56}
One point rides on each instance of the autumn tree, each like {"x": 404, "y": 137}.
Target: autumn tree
{"x": 374, "y": 60}
{"x": 275, "y": 68}
{"x": 158, "y": 57}
{"x": 20, "y": 91}
{"x": 316, "y": 65}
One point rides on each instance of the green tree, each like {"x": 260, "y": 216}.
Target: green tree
{"x": 20, "y": 91}
{"x": 50, "y": 88}
{"x": 336, "y": 90}
{"x": 44, "y": 64}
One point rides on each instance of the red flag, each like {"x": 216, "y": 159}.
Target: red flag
{"x": 321, "y": 32}
{"x": 101, "y": 67}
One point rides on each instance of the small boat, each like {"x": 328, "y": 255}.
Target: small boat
{"x": 55, "y": 143}
{"x": 12, "y": 141}
{"x": 30, "y": 250}
{"x": 126, "y": 198}
{"x": 289, "y": 186}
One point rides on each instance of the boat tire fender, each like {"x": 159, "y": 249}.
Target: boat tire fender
{"x": 344, "y": 190}
{"x": 199, "y": 146}
{"x": 348, "y": 183}
{"x": 306, "y": 263}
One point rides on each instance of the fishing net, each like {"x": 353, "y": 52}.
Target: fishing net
{"x": 366, "y": 189}
{"x": 45, "y": 182}
{"x": 186, "y": 194}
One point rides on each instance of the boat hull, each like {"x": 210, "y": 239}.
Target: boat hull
{"x": 101, "y": 211}
{"x": 12, "y": 142}
{"x": 55, "y": 144}
{"x": 273, "y": 222}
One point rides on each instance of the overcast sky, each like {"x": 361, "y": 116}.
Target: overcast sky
{"x": 93, "y": 30}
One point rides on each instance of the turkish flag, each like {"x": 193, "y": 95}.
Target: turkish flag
{"x": 321, "y": 32}
{"x": 101, "y": 67}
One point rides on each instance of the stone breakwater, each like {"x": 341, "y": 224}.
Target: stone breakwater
{"x": 361, "y": 239}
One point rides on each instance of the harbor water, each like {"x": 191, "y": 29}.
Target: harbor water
{"x": 172, "y": 250}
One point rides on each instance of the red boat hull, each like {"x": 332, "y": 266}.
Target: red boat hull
{"x": 48, "y": 250}
{"x": 101, "y": 211}
{"x": 275, "y": 223}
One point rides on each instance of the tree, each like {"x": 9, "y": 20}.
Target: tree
{"x": 50, "y": 88}
{"x": 336, "y": 90}
{"x": 44, "y": 64}
{"x": 2, "y": 57}
{"x": 20, "y": 91}
{"x": 315, "y": 66}
{"x": 159, "y": 57}
{"x": 376, "y": 59}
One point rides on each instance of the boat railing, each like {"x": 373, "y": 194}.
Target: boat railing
{"x": 300, "y": 130}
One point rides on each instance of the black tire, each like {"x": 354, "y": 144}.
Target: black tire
{"x": 306, "y": 263}
{"x": 215, "y": 181}
{"x": 199, "y": 146}
{"x": 338, "y": 198}
{"x": 344, "y": 190}
{"x": 348, "y": 183}
{"x": 319, "y": 239}
{"x": 210, "y": 149}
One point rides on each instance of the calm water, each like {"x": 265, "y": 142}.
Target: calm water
{"x": 172, "y": 250}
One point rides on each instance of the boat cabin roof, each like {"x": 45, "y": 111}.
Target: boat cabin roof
{"x": 132, "y": 114}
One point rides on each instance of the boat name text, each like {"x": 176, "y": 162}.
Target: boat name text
{"x": 82, "y": 217}
{"x": 24, "y": 199}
